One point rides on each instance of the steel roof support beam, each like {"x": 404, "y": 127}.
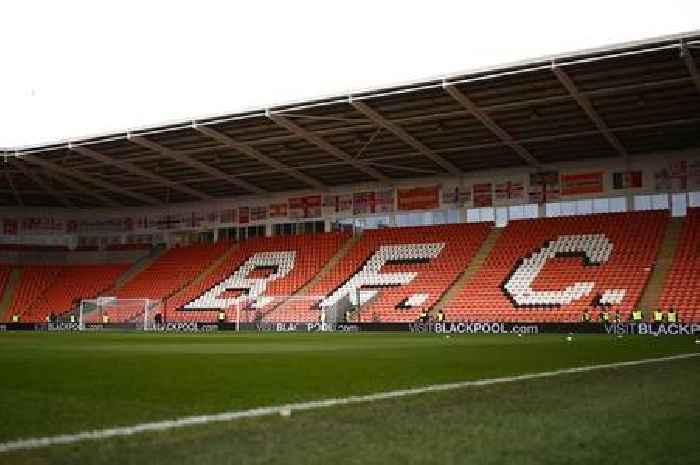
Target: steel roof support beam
{"x": 138, "y": 171}
{"x": 324, "y": 145}
{"x": 690, "y": 64}
{"x": 196, "y": 164}
{"x": 585, "y": 103}
{"x": 487, "y": 121}
{"x": 261, "y": 157}
{"x": 54, "y": 168}
{"x": 402, "y": 134}
{"x": 45, "y": 186}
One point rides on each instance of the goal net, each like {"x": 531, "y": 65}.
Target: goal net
{"x": 123, "y": 313}
{"x": 285, "y": 309}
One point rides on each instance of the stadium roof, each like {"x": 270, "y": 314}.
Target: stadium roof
{"x": 622, "y": 101}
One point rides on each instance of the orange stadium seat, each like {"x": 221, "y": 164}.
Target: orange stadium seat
{"x": 433, "y": 278}
{"x": 312, "y": 251}
{"x": 682, "y": 287}
{"x": 171, "y": 271}
{"x": 634, "y": 239}
{"x": 70, "y": 284}
{"x": 44, "y": 289}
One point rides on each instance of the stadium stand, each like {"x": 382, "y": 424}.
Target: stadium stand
{"x": 69, "y": 285}
{"x": 621, "y": 251}
{"x": 682, "y": 288}
{"x": 4, "y": 276}
{"x": 457, "y": 243}
{"x": 171, "y": 271}
{"x": 311, "y": 252}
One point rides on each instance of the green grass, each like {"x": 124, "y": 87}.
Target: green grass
{"x": 62, "y": 383}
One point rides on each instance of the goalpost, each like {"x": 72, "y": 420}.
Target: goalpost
{"x": 281, "y": 309}
{"x": 125, "y": 313}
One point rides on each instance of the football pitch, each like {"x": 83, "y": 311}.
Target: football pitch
{"x": 57, "y": 383}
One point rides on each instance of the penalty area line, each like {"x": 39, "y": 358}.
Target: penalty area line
{"x": 35, "y": 443}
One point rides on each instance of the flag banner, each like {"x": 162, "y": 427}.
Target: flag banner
{"x": 10, "y": 227}
{"x": 362, "y": 203}
{"x": 385, "y": 201}
{"x": 165, "y": 222}
{"x": 212, "y": 218}
{"x": 140, "y": 222}
{"x": 228, "y": 215}
{"x": 457, "y": 196}
{"x": 278, "y": 210}
{"x": 337, "y": 203}
{"x": 510, "y": 192}
{"x": 544, "y": 187}
{"x": 243, "y": 215}
{"x": 309, "y": 206}
{"x": 45, "y": 224}
{"x": 102, "y": 226}
{"x": 670, "y": 180}
{"x": 627, "y": 179}
{"x": 258, "y": 213}
{"x": 694, "y": 175}
{"x": 72, "y": 226}
{"x": 582, "y": 183}
{"x": 193, "y": 220}
{"x": 483, "y": 195}
{"x": 419, "y": 198}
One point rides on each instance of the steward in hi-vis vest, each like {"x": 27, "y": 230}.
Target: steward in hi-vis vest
{"x": 222, "y": 317}
{"x": 637, "y": 316}
{"x": 15, "y": 318}
{"x": 423, "y": 316}
{"x": 604, "y": 316}
{"x": 72, "y": 318}
{"x": 672, "y": 317}
{"x": 658, "y": 316}
{"x": 440, "y": 316}
{"x": 586, "y": 316}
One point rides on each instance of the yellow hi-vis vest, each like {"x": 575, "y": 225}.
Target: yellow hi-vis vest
{"x": 637, "y": 315}
{"x": 605, "y": 316}
{"x": 658, "y": 316}
{"x": 72, "y": 318}
{"x": 222, "y": 316}
{"x": 672, "y": 317}
{"x": 105, "y": 318}
{"x": 15, "y": 318}
{"x": 441, "y": 317}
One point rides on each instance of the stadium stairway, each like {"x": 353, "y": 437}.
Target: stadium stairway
{"x": 137, "y": 268}
{"x": 473, "y": 267}
{"x": 664, "y": 259}
{"x": 8, "y": 293}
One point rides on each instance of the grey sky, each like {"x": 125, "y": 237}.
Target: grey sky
{"x": 76, "y": 68}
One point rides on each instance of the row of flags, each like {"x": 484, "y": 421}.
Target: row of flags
{"x": 543, "y": 186}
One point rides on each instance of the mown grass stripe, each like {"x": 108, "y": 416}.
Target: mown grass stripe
{"x": 34, "y": 443}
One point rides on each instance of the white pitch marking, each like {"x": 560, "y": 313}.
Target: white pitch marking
{"x": 35, "y": 443}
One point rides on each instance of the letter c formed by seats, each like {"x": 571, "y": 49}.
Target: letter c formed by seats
{"x": 594, "y": 249}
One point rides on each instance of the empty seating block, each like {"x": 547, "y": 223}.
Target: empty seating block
{"x": 418, "y": 266}
{"x": 171, "y": 271}
{"x": 298, "y": 259}
{"x": 70, "y": 284}
{"x": 552, "y": 269}
{"x": 682, "y": 287}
